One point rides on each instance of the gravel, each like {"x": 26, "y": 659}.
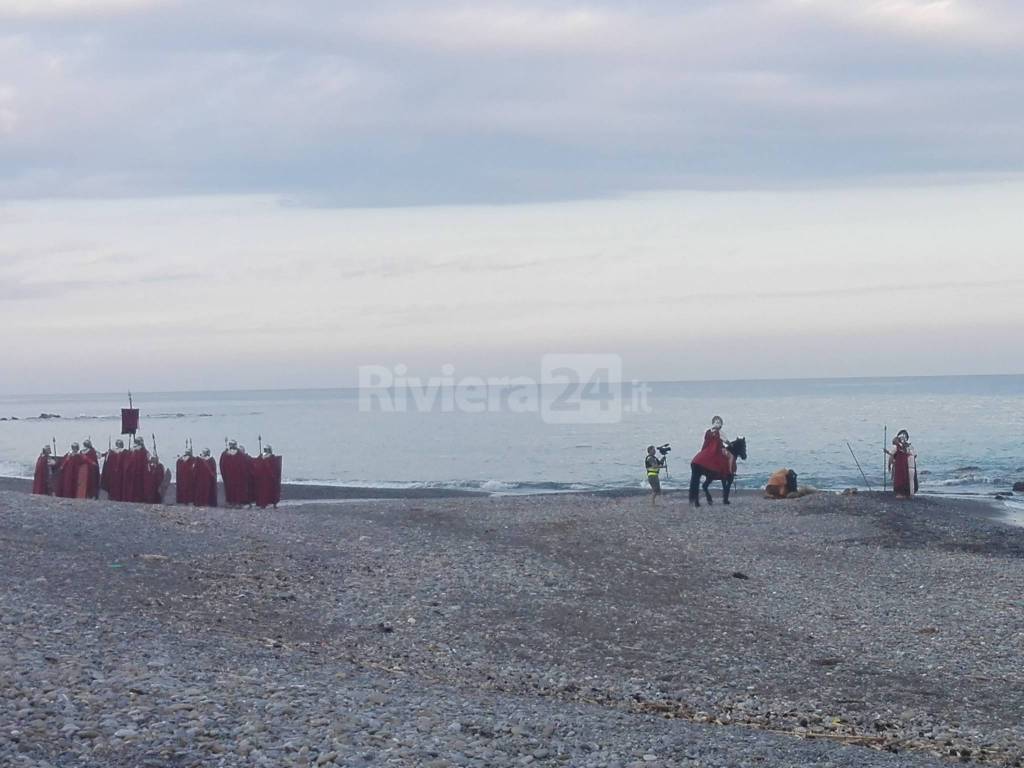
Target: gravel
{"x": 566, "y": 630}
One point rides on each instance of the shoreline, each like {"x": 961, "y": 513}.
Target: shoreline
{"x": 1007, "y": 510}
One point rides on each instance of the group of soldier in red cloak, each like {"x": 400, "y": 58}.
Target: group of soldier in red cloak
{"x": 125, "y": 475}
{"x": 249, "y": 480}
{"x": 135, "y": 475}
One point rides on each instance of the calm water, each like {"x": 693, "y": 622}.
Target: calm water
{"x": 967, "y": 431}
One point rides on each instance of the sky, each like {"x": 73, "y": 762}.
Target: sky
{"x": 218, "y": 195}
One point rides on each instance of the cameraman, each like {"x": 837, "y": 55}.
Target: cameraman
{"x": 654, "y": 465}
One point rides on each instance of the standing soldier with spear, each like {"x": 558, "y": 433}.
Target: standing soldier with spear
{"x": 158, "y": 478}
{"x": 266, "y": 477}
{"x": 112, "y": 477}
{"x": 184, "y": 476}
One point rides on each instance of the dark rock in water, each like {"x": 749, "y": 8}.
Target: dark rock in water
{"x": 1019, "y": 487}
{"x": 49, "y": 415}
{"x": 968, "y": 468}
{"x": 739, "y": 575}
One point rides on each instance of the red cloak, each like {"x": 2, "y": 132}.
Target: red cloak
{"x": 250, "y": 479}
{"x": 205, "y": 482}
{"x": 712, "y": 455}
{"x": 57, "y": 478}
{"x": 90, "y": 468}
{"x": 136, "y": 467}
{"x": 112, "y": 478}
{"x": 184, "y": 480}
{"x": 69, "y": 476}
{"x": 267, "y": 480}
{"x": 904, "y": 481}
{"x": 41, "y": 481}
{"x": 234, "y": 469}
{"x": 151, "y": 482}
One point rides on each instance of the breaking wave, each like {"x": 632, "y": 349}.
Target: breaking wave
{"x": 14, "y": 469}
{"x": 178, "y": 415}
{"x": 494, "y": 487}
{"x": 954, "y": 482}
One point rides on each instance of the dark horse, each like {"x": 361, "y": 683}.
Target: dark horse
{"x": 738, "y": 449}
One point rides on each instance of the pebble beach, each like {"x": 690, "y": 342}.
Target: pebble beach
{"x": 556, "y": 630}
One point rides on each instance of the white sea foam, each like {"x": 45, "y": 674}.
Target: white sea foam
{"x": 953, "y": 482}
{"x": 1015, "y": 510}
{"x": 14, "y": 469}
{"x": 497, "y": 486}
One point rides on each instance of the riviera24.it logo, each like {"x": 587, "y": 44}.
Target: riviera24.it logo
{"x": 571, "y": 389}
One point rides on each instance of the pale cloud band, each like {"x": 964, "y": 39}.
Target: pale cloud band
{"x": 208, "y": 290}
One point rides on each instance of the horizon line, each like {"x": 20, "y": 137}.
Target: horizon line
{"x": 782, "y": 379}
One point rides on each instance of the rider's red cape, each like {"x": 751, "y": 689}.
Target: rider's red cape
{"x": 712, "y": 455}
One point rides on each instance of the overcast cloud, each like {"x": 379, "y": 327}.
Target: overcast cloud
{"x": 222, "y": 194}
{"x": 421, "y": 103}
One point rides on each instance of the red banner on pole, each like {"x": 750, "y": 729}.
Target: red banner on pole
{"x": 129, "y": 421}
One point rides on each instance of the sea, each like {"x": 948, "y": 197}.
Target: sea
{"x": 967, "y": 431}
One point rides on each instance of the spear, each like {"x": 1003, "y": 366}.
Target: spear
{"x": 885, "y": 457}
{"x": 54, "y": 445}
{"x": 260, "y": 438}
{"x": 859, "y": 467}
{"x": 154, "y": 443}
{"x": 131, "y": 406}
